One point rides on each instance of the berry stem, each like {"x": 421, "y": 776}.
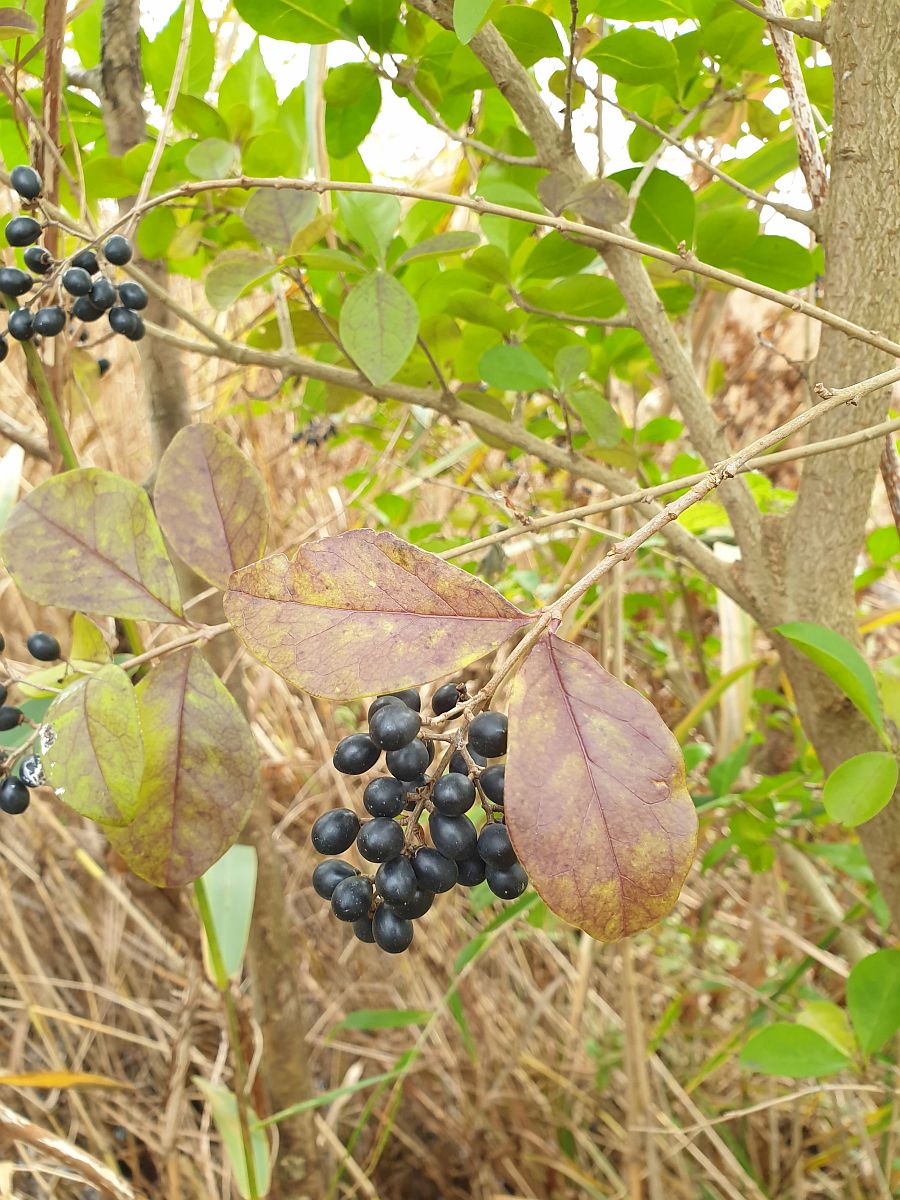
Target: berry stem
{"x": 46, "y": 399}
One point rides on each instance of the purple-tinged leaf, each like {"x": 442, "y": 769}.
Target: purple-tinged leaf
{"x": 596, "y": 800}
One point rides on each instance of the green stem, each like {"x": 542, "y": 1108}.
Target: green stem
{"x": 223, "y": 984}
{"x": 46, "y": 398}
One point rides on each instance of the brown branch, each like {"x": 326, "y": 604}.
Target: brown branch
{"x": 890, "y": 473}
{"x": 802, "y": 26}
{"x": 570, "y": 74}
{"x": 30, "y": 442}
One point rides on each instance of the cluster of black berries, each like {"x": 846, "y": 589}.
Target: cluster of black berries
{"x": 92, "y": 293}
{"x": 410, "y": 872}
{"x": 14, "y": 798}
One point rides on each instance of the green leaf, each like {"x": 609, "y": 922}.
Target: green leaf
{"x": 313, "y": 21}
{"x": 530, "y": 34}
{"x": 725, "y": 233}
{"x": 10, "y": 478}
{"x": 384, "y": 1018}
{"x": 195, "y": 114}
{"x": 378, "y": 326}
{"x": 455, "y": 241}
{"x": 247, "y": 95}
{"x": 792, "y": 1051}
{"x": 580, "y": 296}
{"x": 371, "y": 219}
{"x": 159, "y": 56}
{"x": 468, "y": 17}
{"x": 91, "y": 747}
{"x": 598, "y": 416}
{"x": 374, "y": 20}
{"x": 233, "y": 273}
{"x": 873, "y": 998}
{"x": 213, "y": 158}
{"x": 555, "y": 256}
{"x": 273, "y": 215}
{"x": 352, "y": 102}
{"x": 513, "y": 369}
{"x": 637, "y": 56}
{"x": 664, "y": 212}
{"x": 830, "y": 1022}
{"x": 859, "y": 788}
{"x": 570, "y": 363}
{"x": 841, "y": 662}
{"x": 778, "y": 262}
{"x": 231, "y": 889}
{"x": 224, "y": 1109}
{"x": 759, "y": 171}
{"x": 101, "y": 550}
{"x": 638, "y": 10}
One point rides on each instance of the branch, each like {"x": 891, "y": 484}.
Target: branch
{"x": 570, "y": 74}
{"x": 802, "y": 26}
{"x": 24, "y": 437}
{"x": 890, "y": 473}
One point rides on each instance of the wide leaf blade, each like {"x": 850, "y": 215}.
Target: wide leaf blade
{"x": 365, "y": 612}
{"x": 88, "y": 540}
{"x": 596, "y": 800}
{"x": 873, "y": 998}
{"x": 859, "y": 788}
{"x": 378, "y": 325}
{"x": 792, "y": 1051}
{"x": 201, "y": 773}
{"x": 841, "y": 662}
{"x": 211, "y": 503}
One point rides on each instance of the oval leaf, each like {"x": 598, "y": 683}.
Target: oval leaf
{"x": 513, "y": 369}
{"x": 873, "y": 998}
{"x": 468, "y": 17}
{"x": 99, "y": 548}
{"x": 378, "y": 326}
{"x": 232, "y": 273}
{"x": 841, "y": 662}
{"x": 15, "y": 24}
{"x": 454, "y": 241}
{"x": 608, "y": 842}
{"x": 860, "y": 787}
{"x": 273, "y": 215}
{"x": 201, "y": 773}
{"x": 91, "y": 747}
{"x": 211, "y": 503}
{"x": 792, "y": 1051}
{"x": 365, "y": 612}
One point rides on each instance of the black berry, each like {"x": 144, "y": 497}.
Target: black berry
{"x": 103, "y": 294}
{"x": 23, "y": 231}
{"x": 507, "y": 882}
{"x": 453, "y": 795}
{"x": 87, "y": 260}
{"x": 14, "y": 282}
{"x": 117, "y": 250}
{"x": 4, "y": 692}
{"x": 14, "y": 798}
{"x": 39, "y": 260}
{"x": 20, "y": 325}
{"x": 26, "y": 181}
{"x": 380, "y": 839}
{"x": 409, "y": 696}
{"x": 2, "y": 643}
{"x": 379, "y": 702}
{"x": 471, "y": 871}
{"x": 9, "y": 717}
{"x": 445, "y": 698}
{"x": 455, "y": 837}
{"x": 395, "y": 880}
{"x": 392, "y": 933}
{"x": 132, "y": 295}
{"x": 49, "y": 321}
{"x": 4, "y": 347}
{"x": 492, "y": 782}
{"x": 394, "y": 726}
{"x": 137, "y": 330}
{"x": 352, "y": 899}
{"x": 410, "y": 762}
{"x": 458, "y": 764}
{"x": 362, "y": 929}
{"x": 495, "y": 847}
{"x": 76, "y": 281}
{"x": 43, "y": 646}
{"x": 123, "y": 320}
{"x": 384, "y": 797}
{"x": 355, "y": 754}
{"x": 417, "y": 907}
{"x": 335, "y": 831}
{"x": 31, "y": 772}
{"x": 487, "y": 734}
{"x": 103, "y": 365}
{"x": 434, "y": 872}
{"x": 84, "y": 309}
{"x": 329, "y": 874}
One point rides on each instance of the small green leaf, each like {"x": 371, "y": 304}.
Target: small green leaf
{"x": 273, "y": 215}
{"x": 830, "y": 1022}
{"x": 859, "y": 788}
{"x": 375, "y": 20}
{"x": 873, "y": 998}
{"x": 159, "y": 56}
{"x": 777, "y": 262}
{"x": 378, "y": 326}
{"x": 598, "y": 416}
{"x": 841, "y": 662}
{"x": 371, "y": 219}
{"x": 513, "y": 369}
{"x": 455, "y": 241}
{"x": 313, "y": 21}
{"x": 529, "y": 33}
{"x": 723, "y": 234}
{"x": 352, "y": 102}
{"x": 224, "y": 1108}
{"x": 213, "y": 158}
{"x": 384, "y": 1018}
{"x": 570, "y": 362}
{"x": 468, "y": 17}
{"x": 232, "y": 273}
{"x": 792, "y": 1051}
{"x": 231, "y": 888}
{"x": 637, "y": 56}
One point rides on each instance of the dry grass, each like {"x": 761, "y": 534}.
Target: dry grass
{"x": 99, "y": 973}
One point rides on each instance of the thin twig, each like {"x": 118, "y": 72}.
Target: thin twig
{"x": 802, "y": 26}
{"x": 890, "y": 474}
{"x": 570, "y": 73}
{"x": 30, "y": 442}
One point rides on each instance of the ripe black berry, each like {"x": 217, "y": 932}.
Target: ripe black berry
{"x": 329, "y": 874}
{"x": 20, "y": 325}
{"x": 14, "y": 798}
{"x": 117, "y": 250}
{"x": 487, "y": 734}
{"x": 26, "y": 181}
{"x": 123, "y": 320}
{"x": 458, "y": 764}
{"x": 445, "y": 698}
{"x": 507, "y": 882}
{"x": 87, "y": 260}
{"x": 132, "y": 295}
{"x": 384, "y": 797}
{"x": 392, "y": 933}
{"x": 49, "y": 321}
{"x": 39, "y": 260}
{"x": 471, "y": 871}
{"x": 14, "y": 282}
{"x": 380, "y": 839}
{"x": 103, "y": 294}
{"x": 415, "y": 908}
{"x": 363, "y": 930}
{"x": 410, "y": 762}
{"x": 495, "y": 847}
{"x": 352, "y": 899}
{"x": 355, "y": 754}
{"x": 453, "y": 795}
{"x": 137, "y": 330}
{"x": 31, "y": 772}
{"x": 4, "y": 347}
{"x": 492, "y": 782}
{"x": 43, "y": 646}
{"x": 409, "y": 696}
{"x": 379, "y": 702}
{"x": 434, "y": 872}
{"x": 4, "y": 692}
{"x": 394, "y": 726}
{"x": 455, "y": 837}
{"x": 2, "y": 643}
{"x": 395, "y": 880}
{"x": 103, "y": 365}
{"x": 23, "y": 231}
{"x": 9, "y": 717}
{"x": 334, "y": 831}
{"x": 84, "y": 309}
{"x": 76, "y": 281}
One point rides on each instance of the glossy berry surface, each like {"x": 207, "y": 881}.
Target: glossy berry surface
{"x": 14, "y": 282}
{"x": 445, "y": 698}
{"x": 379, "y": 702}
{"x": 458, "y": 764}
{"x": 76, "y": 281}
{"x": 14, "y": 798}
{"x": 409, "y": 696}
{"x": 455, "y": 837}
{"x": 487, "y": 734}
{"x": 117, "y": 250}
{"x": 335, "y": 831}
{"x": 49, "y": 321}
{"x": 494, "y": 846}
{"x": 21, "y": 325}
{"x": 362, "y": 929}
{"x": 491, "y": 782}
{"x": 417, "y": 907}
{"x": 471, "y": 871}
{"x": 329, "y": 874}
{"x": 26, "y": 181}
{"x": 4, "y": 692}
{"x": 355, "y": 754}
{"x": 410, "y": 762}
{"x": 507, "y": 882}
{"x": 394, "y": 726}
{"x": 453, "y": 794}
{"x": 352, "y": 899}
{"x": 392, "y": 933}
{"x": 23, "y": 231}
{"x": 84, "y": 309}
{"x": 434, "y": 871}
{"x": 123, "y": 320}
{"x": 380, "y": 839}
{"x": 136, "y": 330}
{"x": 4, "y": 347}
{"x": 384, "y": 797}
{"x": 39, "y": 260}
{"x": 43, "y": 646}
{"x": 10, "y": 717}
{"x": 132, "y": 295}
{"x": 87, "y": 260}
{"x": 103, "y": 294}
{"x": 396, "y": 881}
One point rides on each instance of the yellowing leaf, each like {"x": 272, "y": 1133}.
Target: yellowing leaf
{"x": 365, "y": 612}
{"x": 62, "y": 1079}
{"x": 596, "y": 800}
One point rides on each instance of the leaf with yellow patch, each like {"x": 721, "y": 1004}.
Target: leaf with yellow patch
{"x": 62, "y": 1079}
{"x": 596, "y": 801}
{"x": 211, "y": 503}
{"x": 91, "y": 747}
{"x": 88, "y": 540}
{"x": 365, "y": 612}
{"x": 201, "y": 773}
